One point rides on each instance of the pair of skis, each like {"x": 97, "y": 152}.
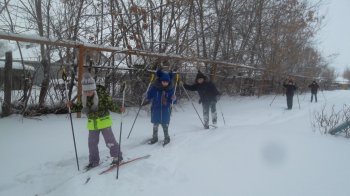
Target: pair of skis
{"x": 112, "y": 167}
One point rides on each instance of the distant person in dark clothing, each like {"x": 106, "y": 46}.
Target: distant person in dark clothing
{"x": 314, "y": 87}
{"x": 208, "y": 96}
{"x": 290, "y": 86}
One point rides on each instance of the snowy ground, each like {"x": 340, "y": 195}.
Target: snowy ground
{"x": 262, "y": 150}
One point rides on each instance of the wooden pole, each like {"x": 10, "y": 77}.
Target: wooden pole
{"x": 6, "y": 107}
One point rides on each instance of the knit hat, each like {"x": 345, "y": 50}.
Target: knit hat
{"x": 165, "y": 77}
{"x": 88, "y": 83}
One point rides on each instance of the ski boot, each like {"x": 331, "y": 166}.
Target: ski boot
{"x": 116, "y": 160}
{"x": 89, "y": 166}
{"x": 166, "y": 135}
{"x": 166, "y": 141}
{"x": 155, "y": 135}
{"x": 153, "y": 140}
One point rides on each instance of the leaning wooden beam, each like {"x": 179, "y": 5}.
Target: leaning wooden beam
{"x": 88, "y": 46}
{"x": 37, "y": 39}
{"x": 184, "y": 58}
{"x": 36, "y": 62}
{"x": 154, "y": 71}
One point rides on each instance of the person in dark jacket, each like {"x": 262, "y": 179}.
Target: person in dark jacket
{"x": 314, "y": 87}
{"x": 208, "y": 96}
{"x": 161, "y": 94}
{"x": 96, "y": 104}
{"x": 290, "y": 86}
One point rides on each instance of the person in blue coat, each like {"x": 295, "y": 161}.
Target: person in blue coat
{"x": 161, "y": 94}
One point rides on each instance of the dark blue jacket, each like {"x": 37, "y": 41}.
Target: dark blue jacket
{"x": 314, "y": 87}
{"x": 207, "y": 90}
{"x": 290, "y": 88}
{"x": 161, "y": 102}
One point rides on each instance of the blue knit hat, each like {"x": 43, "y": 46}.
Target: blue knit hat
{"x": 165, "y": 77}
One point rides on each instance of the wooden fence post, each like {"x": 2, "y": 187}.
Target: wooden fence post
{"x": 6, "y": 107}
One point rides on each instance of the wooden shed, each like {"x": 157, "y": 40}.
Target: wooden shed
{"x": 18, "y": 75}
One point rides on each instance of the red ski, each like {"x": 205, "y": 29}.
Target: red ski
{"x": 123, "y": 163}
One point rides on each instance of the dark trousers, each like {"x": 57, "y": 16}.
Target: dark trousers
{"x": 165, "y": 130}
{"x": 111, "y": 143}
{"x": 312, "y": 96}
{"x": 289, "y": 101}
{"x": 212, "y": 106}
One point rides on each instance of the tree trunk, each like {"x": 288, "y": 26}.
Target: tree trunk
{"x": 45, "y": 83}
{"x": 6, "y": 107}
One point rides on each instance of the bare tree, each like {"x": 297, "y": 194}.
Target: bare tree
{"x": 346, "y": 74}
{"x": 275, "y": 37}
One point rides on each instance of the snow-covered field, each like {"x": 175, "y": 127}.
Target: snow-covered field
{"x": 262, "y": 150}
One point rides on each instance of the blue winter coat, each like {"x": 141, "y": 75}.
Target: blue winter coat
{"x": 160, "y": 112}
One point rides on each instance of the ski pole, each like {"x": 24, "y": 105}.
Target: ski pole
{"x": 193, "y": 104}
{"x": 64, "y": 77}
{"x": 137, "y": 114}
{"x": 121, "y": 125}
{"x": 172, "y": 101}
{"x": 273, "y": 99}
{"x": 222, "y": 114}
{"x": 279, "y": 86}
{"x": 298, "y": 100}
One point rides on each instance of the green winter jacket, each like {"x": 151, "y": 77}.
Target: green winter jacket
{"x": 100, "y": 118}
